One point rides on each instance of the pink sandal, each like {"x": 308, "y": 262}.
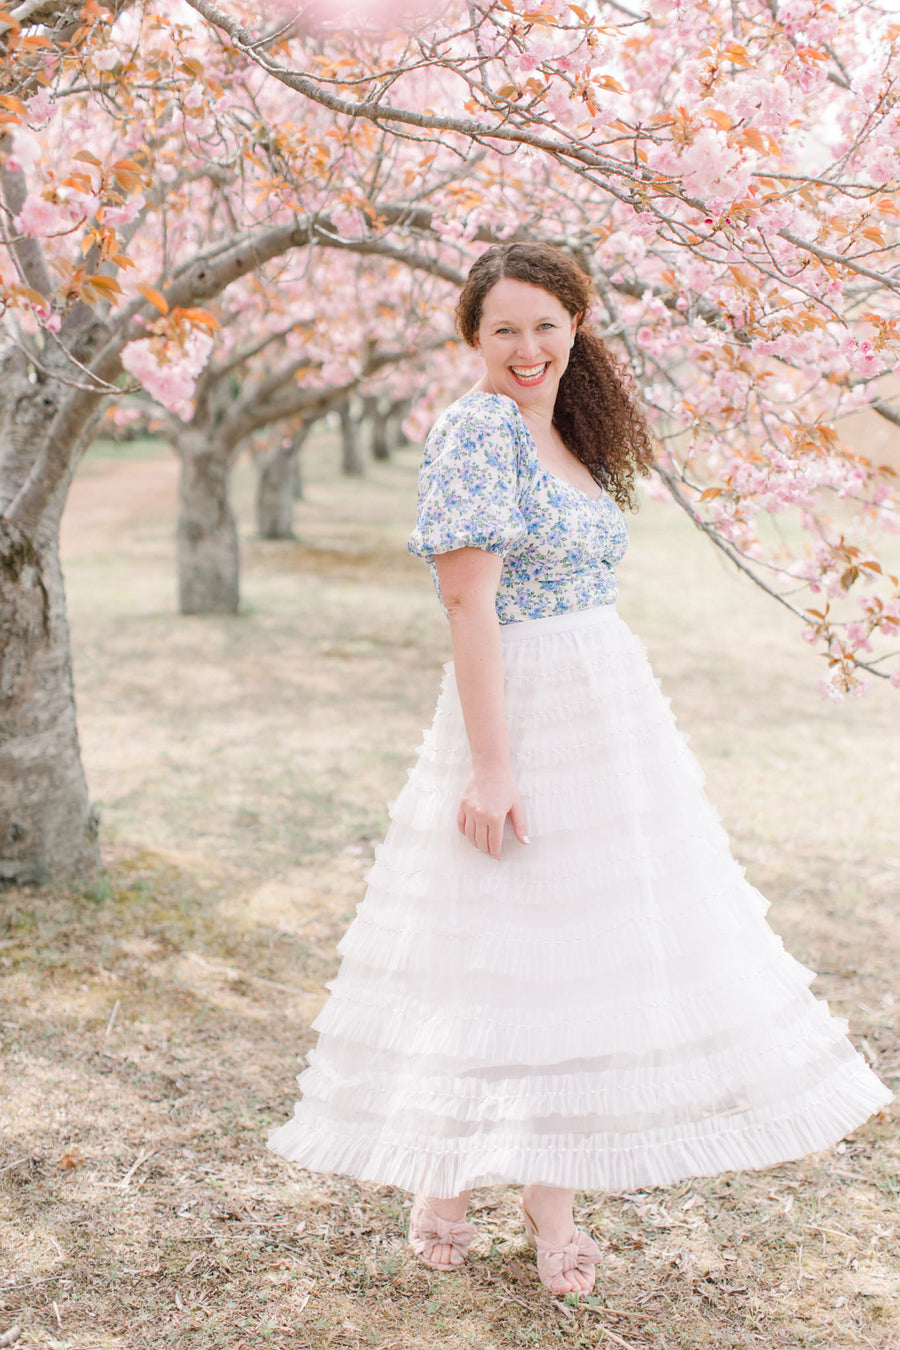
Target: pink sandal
{"x": 580, "y": 1254}
{"x": 428, "y": 1230}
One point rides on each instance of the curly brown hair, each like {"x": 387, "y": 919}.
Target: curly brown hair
{"x": 595, "y": 411}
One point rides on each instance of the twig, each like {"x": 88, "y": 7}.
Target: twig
{"x": 10, "y": 1337}
{"x": 112, "y": 1017}
{"x": 138, "y": 1162}
{"x": 9, "y": 1168}
{"x": 233, "y": 973}
{"x": 55, "y": 1307}
{"x": 613, "y": 1336}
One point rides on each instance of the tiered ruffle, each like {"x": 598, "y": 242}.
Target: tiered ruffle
{"x": 605, "y": 1008}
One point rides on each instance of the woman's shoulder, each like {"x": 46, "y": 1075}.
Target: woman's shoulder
{"x": 476, "y": 418}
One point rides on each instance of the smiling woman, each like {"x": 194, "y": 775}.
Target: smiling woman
{"x": 523, "y": 307}
{"x": 559, "y": 976}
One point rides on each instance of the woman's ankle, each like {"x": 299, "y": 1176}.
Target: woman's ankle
{"x": 453, "y": 1208}
{"x": 550, "y": 1210}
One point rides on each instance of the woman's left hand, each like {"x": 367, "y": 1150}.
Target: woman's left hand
{"x": 486, "y": 801}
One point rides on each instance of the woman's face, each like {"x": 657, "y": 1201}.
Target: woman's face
{"x": 524, "y": 337}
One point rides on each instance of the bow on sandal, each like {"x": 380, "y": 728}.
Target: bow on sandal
{"x": 428, "y": 1230}
{"x": 555, "y": 1263}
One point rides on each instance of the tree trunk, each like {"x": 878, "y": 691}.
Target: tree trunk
{"x": 297, "y": 490}
{"x": 380, "y": 417}
{"x": 276, "y": 487}
{"x": 207, "y": 538}
{"x": 353, "y": 457}
{"x": 397, "y": 415}
{"x": 48, "y": 830}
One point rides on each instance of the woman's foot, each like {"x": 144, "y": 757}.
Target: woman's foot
{"x": 438, "y": 1233}
{"x": 566, "y": 1257}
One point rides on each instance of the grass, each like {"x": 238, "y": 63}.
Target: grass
{"x": 152, "y": 1020}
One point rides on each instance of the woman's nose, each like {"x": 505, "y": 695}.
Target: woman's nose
{"x": 528, "y": 344}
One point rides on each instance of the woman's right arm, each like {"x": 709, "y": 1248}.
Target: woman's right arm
{"x": 468, "y": 579}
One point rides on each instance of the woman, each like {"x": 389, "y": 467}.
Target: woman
{"x": 559, "y": 976}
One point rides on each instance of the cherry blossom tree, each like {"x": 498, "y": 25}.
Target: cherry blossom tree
{"x": 302, "y": 370}
{"x": 726, "y": 172}
{"x": 133, "y": 195}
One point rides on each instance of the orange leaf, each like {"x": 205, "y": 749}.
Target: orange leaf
{"x": 80, "y": 182}
{"x": 709, "y": 493}
{"x": 88, "y": 158}
{"x": 14, "y": 104}
{"x": 720, "y": 118}
{"x": 200, "y": 317}
{"x": 155, "y": 297}
{"x": 105, "y": 284}
{"x": 738, "y": 54}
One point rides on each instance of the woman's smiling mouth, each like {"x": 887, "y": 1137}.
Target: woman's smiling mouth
{"x": 529, "y": 374}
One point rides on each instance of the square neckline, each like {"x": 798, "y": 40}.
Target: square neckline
{"x": 545, "y": 473}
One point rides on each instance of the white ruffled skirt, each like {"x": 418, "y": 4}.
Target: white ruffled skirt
{"x": 605, "y": 1008}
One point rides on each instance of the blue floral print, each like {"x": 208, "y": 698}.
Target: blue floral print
{"x": 481, "y": 485}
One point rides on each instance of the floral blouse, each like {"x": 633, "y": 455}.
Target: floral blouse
{"x": 481, "y": 485}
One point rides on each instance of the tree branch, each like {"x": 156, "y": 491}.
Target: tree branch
{"x": 28, "y": 254}
{"x": 886, "y": 410}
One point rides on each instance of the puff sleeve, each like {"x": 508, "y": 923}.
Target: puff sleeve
{"x": 468, "y": 483}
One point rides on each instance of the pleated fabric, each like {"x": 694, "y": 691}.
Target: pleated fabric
{"x": 605, "y": 1008}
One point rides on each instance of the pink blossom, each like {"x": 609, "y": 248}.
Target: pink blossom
{"x": 107, "y": 58}
{"x": 764, "y": 101}
{"x": 124, "y": 215}
{"x": 883, "y": 165}
{"x": 40, "y": 107}
{"x": 47, "y": 319}
{"x": 830, "y": 690}
{"x": 895, "y": 678}
{"x": 25, "y": 153}
{"x": 560, "y": 103}
{"x": 858, "y": 637}
{"x": 709, "y": 162}
{"x": 169, "y": 370}
{"x": 39, "y": 217}
{"x": 524, "y": 63}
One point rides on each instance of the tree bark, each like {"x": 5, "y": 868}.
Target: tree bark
{"x": 48, "y": 830}
{"x": 297, "y": 488}
{"x": 397, "y": 415}
{"x": 353, "y": 455}
{"x": 276, "y": 467}
{"x": 379, "y": 417}
{"x": 207, "y": 539}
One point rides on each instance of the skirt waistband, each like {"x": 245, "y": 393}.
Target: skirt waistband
{"x": 557, "y": 623}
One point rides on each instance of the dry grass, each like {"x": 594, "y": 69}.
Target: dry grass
{"x": 151, "y": 1024}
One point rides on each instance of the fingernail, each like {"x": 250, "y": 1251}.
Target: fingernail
{"x": 525, "y": 839}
